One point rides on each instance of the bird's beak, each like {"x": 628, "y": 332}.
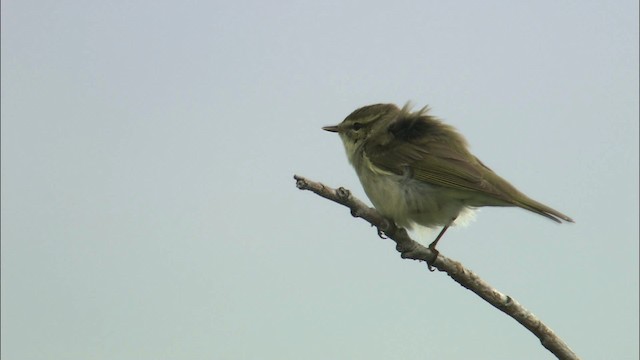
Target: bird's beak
{"x": 333, "y": 128}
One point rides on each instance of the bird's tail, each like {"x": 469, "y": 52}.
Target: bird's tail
{"x": 542, "y": 209}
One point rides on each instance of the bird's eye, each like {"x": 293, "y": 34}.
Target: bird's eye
{"x": 357, "y": 126}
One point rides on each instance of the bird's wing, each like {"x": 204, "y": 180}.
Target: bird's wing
{"x": 438, "y": 163}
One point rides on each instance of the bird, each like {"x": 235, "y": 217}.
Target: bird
{"x": 418, "y": 171}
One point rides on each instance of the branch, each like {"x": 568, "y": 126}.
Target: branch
{"x": 410, "y": 249}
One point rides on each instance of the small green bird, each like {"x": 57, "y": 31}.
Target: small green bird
{"x": 417, "y": 170}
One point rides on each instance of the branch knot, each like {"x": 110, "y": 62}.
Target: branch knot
{"x": 343, "y": 193}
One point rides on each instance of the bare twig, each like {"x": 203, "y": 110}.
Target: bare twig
{"x": 410, "y": 249}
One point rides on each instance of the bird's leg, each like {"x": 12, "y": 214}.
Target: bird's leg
{"x": 433, "y": 244}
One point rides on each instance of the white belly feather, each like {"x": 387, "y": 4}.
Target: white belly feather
{"x": 408, "y": 201}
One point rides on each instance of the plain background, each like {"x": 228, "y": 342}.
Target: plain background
{"x": 149, "y": 210}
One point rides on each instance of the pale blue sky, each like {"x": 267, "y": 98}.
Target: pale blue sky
{"x": 149, "y": 210}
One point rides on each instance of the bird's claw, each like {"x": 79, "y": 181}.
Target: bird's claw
{"x": 433, "y": 260}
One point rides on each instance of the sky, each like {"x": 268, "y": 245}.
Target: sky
{"x": 149, "y": 209}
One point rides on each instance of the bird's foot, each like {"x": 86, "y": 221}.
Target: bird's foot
{"x": 432, "y": 261}
{"x": 386, "y": 224}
